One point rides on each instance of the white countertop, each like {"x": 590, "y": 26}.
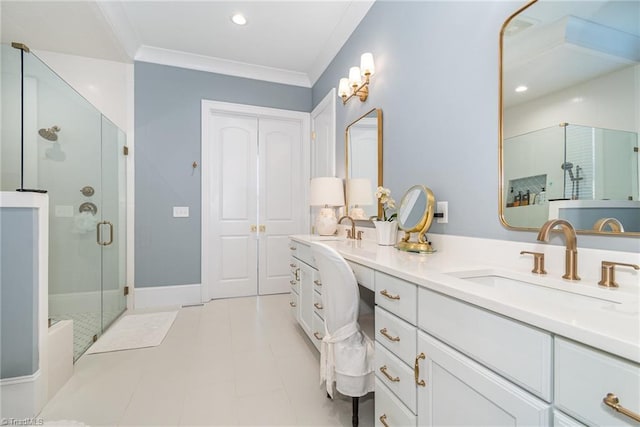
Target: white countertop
{"x": 608, "y": 319}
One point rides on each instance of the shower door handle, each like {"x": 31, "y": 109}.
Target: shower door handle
{"x": 110, "y": 233}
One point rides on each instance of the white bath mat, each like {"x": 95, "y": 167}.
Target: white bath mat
{"x": 135, "y": 331}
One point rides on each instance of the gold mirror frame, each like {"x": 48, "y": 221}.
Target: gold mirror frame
{"x": 501, "y": 184}
{"x": 422, "y": 245}
{"x": 378, "y": 112}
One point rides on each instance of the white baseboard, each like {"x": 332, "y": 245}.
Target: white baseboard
{"x": 162, "y": 296}
{"x": 23, "y": 397}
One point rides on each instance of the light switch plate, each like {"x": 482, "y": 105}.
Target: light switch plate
{"x": 181, "y": 211}
{"x": 443, "y": 208}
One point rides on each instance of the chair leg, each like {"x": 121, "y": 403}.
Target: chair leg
{"x": 354, "y": 417}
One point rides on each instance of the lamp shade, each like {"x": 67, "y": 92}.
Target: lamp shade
{"x": 326, "y": 191}
{"x": 359, "y": 192}
{"x": 366, "y": 64}
{"x": 343, "y": 87}
{"x": 354, "y": 76}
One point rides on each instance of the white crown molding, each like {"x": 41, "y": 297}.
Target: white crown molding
{"x": 113, "y": 12}
{"x": 221, "y": 66}
{"x": 343, "y": 30}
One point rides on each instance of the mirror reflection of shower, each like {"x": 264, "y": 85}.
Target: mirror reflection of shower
{"x": 575, "y": 179}
{"x": 50, "y": 134}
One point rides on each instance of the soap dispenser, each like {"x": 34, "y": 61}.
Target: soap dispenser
{"x": 542, "y": 197}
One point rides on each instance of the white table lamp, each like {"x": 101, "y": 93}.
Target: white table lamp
{"x": 327, "y": 192}
{"x": 359, "y": 193}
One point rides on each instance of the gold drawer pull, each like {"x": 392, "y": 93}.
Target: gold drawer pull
{"x": 293, "y": 282}
{"x": 292, "y": 265}
{"x": 385, "y": 293}
{"x": 317, "y": 282}
{"x": 318, "y": 306}
{"x": 293, "y": 248}
{"x": 292, "y": 304}
{"x": 416, "y": 370}
{"x": 612, "y": 401}
{"x": 383, "y": 420}
{"x": 318, "y": 336}
{"x": 383, "y": 369}
{"x": 384, "y": 332}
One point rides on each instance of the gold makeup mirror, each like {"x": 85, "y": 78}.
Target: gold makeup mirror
{"x": 568, "y": 141}
{"x": 363, "y": 161}
{"x": 415, "y": 215}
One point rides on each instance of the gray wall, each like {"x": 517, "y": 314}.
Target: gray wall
{"x": 437, "y": 84}
{"x": 18, "y": 292}
{"x": 167, "y": 131}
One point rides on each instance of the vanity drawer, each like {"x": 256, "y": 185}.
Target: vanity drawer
{"x": 399, "y": 377}
{"x": 317, "y": 332}
{"x": 396, "y": 335}
{"x": 584, "y": 376}
{"x": 317, "y": 283}
{"x": 390, "y": 409}
{"x": 317, "y": 305}
{"x": 364, "y": 275}
{"x": 518, "y": 352}
{"x": 294, "y": 305}
{"x": 396, "y": 296}
{"x": 303, "y": 253}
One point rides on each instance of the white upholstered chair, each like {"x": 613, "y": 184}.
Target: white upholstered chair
{"x": 346, "y": 354}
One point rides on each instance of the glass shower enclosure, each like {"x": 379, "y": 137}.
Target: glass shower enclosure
{"x": 54, "y": 140}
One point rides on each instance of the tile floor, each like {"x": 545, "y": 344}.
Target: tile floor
{"x": 242, "y": 361}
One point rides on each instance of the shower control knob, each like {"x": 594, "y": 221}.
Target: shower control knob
{"x": 87, "y": 191}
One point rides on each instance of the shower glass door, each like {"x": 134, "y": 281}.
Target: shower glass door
{"x": 111, "y": 232}
{"x": 76, "y": 154}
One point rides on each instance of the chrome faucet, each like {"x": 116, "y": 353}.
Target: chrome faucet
{"x": 571, "y": 254}
{"x": 351, "y": 234}
{"x": 613, "y": 223}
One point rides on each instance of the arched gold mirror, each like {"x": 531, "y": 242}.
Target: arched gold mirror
{"x": 415, "y": 215}
{"x": 569, "y": 102}
{"x": 363, "y": 154}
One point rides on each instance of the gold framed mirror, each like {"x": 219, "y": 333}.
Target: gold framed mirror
{"x": 568, "y": 135}
{"x": 363, "y": 161}
{"x": 415, "y": 215}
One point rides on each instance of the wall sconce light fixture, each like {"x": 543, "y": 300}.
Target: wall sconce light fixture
{"x": 358, "y": 82}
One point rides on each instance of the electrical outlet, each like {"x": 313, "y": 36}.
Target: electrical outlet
{"x": 181, "y": 211}
{"x": 443, "y": 208}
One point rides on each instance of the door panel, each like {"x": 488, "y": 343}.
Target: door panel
{"x": 281, "y": 206}
{"x": 113, "y": 213}
{"x": 233, "y": 203}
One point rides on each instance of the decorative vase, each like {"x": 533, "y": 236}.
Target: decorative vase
{"x": 387, "y": 232}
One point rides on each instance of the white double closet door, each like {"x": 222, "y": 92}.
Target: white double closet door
{"x": 254, "y": 197}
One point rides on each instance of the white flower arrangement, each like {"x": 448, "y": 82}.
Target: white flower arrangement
{"x": 388, "y": 204}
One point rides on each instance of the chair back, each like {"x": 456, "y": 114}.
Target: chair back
{"x": 340, "y": 293}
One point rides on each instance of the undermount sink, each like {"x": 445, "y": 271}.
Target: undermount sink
{"x": 522, "y": 286}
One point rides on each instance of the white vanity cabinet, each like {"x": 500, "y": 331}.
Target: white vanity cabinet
{"x": 455, "y": 390}
{"x": 306, "y": 292}
{"x": 583, "y": 378}
{"x": 395, "y": 335}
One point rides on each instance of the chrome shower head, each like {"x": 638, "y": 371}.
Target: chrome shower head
{"x": 568, "y": 166}
{"x": 50, "y": 134}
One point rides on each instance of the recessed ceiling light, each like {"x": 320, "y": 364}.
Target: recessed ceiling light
{"x": 239, "y": 19}
{"x": 521, "y": 88}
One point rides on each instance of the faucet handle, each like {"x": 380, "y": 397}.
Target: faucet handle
{"x": 538, "y": 262}
{"x": 359, "y": 234}
{"x": 349, "y": 236}
{"x": 608, "y": 276}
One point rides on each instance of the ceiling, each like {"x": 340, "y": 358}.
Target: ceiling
{"x": 284, "y": 41}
